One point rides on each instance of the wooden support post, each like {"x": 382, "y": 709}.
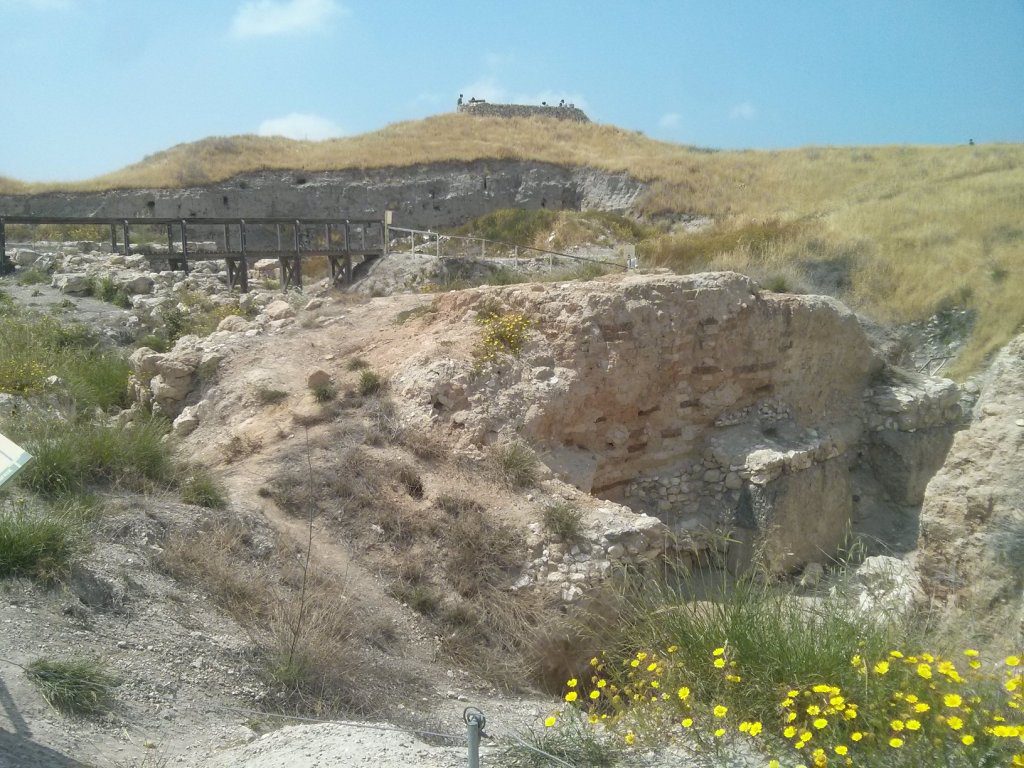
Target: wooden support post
{"x": 170, "y": 247}
{"x": 243, "y": 267}
{"x": 184, "y": 246}
{"x": 297, "y": 264}
{"x": 227, "y": 240}
{"x": 348, "y": 269}
{"x": 362, "y": 233}
{"x": 4, "y": 269}
{"x": 113, "y": 239}
{"x": 126, "y": 239}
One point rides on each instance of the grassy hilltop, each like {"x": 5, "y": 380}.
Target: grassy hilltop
{"x": 904, "y": 230}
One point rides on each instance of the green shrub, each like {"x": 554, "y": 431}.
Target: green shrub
{"x": 155, "y": 342}
{"x": 563, "y": 519}
{"x": 370, "y": 383}
{"x": 69, "y": 459}
{"x": 356, "y": 364}
{"x": 502, "y": 335}
{"x": 37, "y": 545}
{"x": 74, "y": 686}
{"x": 33, "y": 276}
{"x": 753, "y": 661}
{"x": 325, "y": 393}
{"x": 33, "y": 348}
{"x": 514, "y": 464}
{"x": 516, "y": 226}
{"x": 204, "y": 490}
{"x": 570, "y": 741}
{"x": 105, "y": 289}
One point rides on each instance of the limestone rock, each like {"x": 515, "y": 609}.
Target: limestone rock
{"x": 187, "y": 422}
{"x": 143, "y": 361}
{"x": 279, "y": 310}
{"x": 972, "y": 519}
{"x": 24, "y": 257}
{"x": 73, "y": 284}
{"x": 234, "y": 324}
{"x": 884, "y": 589}
{"x": 135, "y": 284}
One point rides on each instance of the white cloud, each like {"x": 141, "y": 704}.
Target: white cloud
{"x": 266, "y": 18}
{"x": 300, "y": 125}
{"x": 743, "y": 111}
{"x": 486, "y": 88}
{"x": 670, "y": 120}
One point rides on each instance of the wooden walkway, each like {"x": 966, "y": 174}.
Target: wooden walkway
{"x": 239, "y": 242}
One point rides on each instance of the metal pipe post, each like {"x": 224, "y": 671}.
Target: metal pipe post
{"x": 125, "y": 225}
{"x": 170, "y": 243}
{"x": 475, "y": 722}
{"x": 113, "y": 239}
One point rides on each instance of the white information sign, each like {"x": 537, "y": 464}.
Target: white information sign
{"x": 13, "y": 459}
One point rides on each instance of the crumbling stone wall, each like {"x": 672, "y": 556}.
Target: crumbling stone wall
{"x": 485, "y": 109}
{"x": 732, "y": 414}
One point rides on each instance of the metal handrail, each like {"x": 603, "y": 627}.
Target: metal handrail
{"x": 439, "y": 235}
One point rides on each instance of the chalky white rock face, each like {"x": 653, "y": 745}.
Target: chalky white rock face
{"x": 728, "y": 412}
{"x": 972, "y": 520}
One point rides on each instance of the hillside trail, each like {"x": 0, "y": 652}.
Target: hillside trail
{"x": 426, "y": 689}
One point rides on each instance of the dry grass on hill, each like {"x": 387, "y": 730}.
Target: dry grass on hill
{"x": 906, "y": 230}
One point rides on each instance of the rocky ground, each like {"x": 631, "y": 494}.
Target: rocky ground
{"x": 191, "y": 690}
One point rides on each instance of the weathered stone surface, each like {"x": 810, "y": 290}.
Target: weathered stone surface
{"x": 234, "y": 324}
{"x": 279, "y": 310}
{"x": 73, "y": 283}
{"x": 135, "y": 284}
{"x": 143, "y": 361}
{"x": 187, "y": 421}
{"x": 883, "y": 589}
{"x": 24, "y": 257}
{"x": 645, "y": 371}
{"x": 904, "y": 462}
{"x": 971, "y": 544}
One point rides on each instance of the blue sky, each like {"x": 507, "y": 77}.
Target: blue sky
{"x": 91, "y": 85}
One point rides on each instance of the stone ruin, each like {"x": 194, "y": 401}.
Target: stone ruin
{"x": 486, "y": 109}
{"x": 735, "y": 416}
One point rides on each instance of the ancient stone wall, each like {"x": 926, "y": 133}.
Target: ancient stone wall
{"x": 438, "y": 195}
{"x": 485, "y": 109}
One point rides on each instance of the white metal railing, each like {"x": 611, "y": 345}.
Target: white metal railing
{"x": 429, "y": 243}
